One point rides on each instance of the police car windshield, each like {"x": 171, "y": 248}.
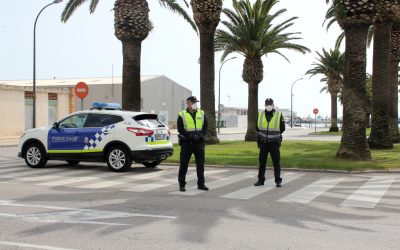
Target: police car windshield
{"x": 148, "y": 120}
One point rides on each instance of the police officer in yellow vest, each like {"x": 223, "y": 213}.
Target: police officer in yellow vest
{"x": 270, "y": 126}
{"x": 192, "y": 127}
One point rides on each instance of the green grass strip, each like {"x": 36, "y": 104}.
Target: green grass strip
{"x": 294, "y": 154}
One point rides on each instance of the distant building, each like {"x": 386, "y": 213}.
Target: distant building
{"x": 55, "y": 99}
{"x": 232, "y": 117}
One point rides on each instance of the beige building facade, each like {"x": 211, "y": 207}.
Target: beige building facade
{"x": 55, "y": 99}
{"x": 16, "y": 105}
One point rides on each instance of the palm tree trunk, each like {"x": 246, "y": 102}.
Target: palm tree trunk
{"x": 334, "y": 127}
{"x": 354, "y": 144}
{"x": 394, "y": 99}
{"x": 380, "y": 131}
{"x": 252, "y": 112}
{"x": 207, "y": 80}
{"x": 394, "y": 82}
{"x": 131, "y": 95}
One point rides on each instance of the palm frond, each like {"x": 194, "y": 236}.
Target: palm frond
{"x": 175, "y": 7}
{"x": 71, "y": 6}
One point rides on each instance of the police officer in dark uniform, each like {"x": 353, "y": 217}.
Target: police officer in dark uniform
{"x": 192, "y": 127}
{"x": 270, "y": 126}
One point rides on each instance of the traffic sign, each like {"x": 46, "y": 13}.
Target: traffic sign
{"x": 81, "y": 90}
{"x": 315, "y": 111}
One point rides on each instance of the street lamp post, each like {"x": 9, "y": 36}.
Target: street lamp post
{"x": 219, "y": 92}
{"x": 34, "y": 60}
{"x": 291, "y": 102}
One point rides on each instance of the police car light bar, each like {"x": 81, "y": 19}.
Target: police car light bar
{"x": 106, "y": 105}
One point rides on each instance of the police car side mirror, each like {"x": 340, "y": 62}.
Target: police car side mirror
{"x": 55, "y": 125}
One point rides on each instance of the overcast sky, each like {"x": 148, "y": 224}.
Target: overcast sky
{"x": 86, "y": 47}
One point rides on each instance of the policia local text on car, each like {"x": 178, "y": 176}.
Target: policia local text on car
{"x": 192, "y": 127}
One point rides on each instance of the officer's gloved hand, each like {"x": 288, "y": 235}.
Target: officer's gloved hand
{"x": 195, "y": 137}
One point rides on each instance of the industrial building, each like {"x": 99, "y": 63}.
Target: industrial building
{"x": 55, "y": 99}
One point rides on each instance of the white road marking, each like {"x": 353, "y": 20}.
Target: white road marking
{"x": 369, "y": 194}
{"x": 65, "y": 173}
{"x": 5, "y": 169}
{"x": 312, "y": 191}
{"x": 30, "y": 172}
{"x": 74, "y": 215}
{"x": 127, "y": 178}
{"x": 167, "y": 182}
{"x": 151, "y": 175}
{"x": 102, "y": 184}
{"x": 218, "y": 183}
{"x": 17, "y": 244}
{"x": 252, "y": 191}
{"x": 67, "y": 181}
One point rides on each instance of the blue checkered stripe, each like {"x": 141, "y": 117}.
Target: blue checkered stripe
{"x": 98, "y": 135}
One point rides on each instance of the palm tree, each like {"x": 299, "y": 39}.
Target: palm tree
{"x": 380, "y": 126}
{"x": 394, "y": 82}
{"x": 330, "y": 65}
{"x": 206, "y": 14}
{"x": 250, "y": 33}
{"x": 132, "y": 26}
{"x": 354, "y": 18}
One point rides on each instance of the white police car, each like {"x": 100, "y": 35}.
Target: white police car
{"x": 103, "y": 134}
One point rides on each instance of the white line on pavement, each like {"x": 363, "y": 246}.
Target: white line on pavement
{"x": 312, "y": 191}
{"x": 252, "y": 191}
{"x": 16, "y": 244}
{"x": 369, "y": 194}
{"x": 218, "y": 183}
{"x": 67, "y": 181}
{"x": 168, "y": 182}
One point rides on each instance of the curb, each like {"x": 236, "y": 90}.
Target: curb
{"x": 8, "y": 145}
{"x": 367, "y": 171}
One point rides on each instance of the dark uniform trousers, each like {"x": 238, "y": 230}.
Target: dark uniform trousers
{"x": 187, "y": 149}
{"x": 273, "y": 148}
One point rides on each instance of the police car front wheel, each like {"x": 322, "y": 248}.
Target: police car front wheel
{"x": 35, "y": 156}
{"x": 118, "y": 159}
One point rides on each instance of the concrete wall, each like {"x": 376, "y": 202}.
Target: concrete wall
{"x": 12, "y": 108}
{"x": 12, "y": 112}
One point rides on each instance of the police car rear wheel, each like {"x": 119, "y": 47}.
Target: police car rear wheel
{"x": 118, "y": 160}
{"x": 35, "y": 156}
{"x": 152, "y": 164}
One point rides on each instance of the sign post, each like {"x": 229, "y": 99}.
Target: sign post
{"x": 315, "y": 111}
{"x": 81, "y": 91}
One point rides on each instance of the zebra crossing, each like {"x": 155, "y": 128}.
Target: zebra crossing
{"x": 237, "y": 184}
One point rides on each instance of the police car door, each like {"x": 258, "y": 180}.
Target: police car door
{"x": 98, "y": 131}
{"x": 66, "y": 140}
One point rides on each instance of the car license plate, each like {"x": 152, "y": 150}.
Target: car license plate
{"x": 160, "y": 137}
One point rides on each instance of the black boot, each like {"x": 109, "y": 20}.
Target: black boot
{"x": 202, "y": 187}
{"x": 182, "y": 188}
{"x": 259, "y": 183}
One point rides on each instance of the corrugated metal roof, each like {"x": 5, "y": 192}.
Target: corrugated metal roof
{"x": 72, "y": 82}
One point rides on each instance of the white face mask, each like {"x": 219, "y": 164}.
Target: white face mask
{"x": 269, "y": 107}
{"x": 194, "y": 106}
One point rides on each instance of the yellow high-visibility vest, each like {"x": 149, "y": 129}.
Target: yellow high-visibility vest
{"x": 269, "y": 130}
{"x": 189, "y": 124}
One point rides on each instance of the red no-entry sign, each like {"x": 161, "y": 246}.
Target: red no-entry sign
{"x": 315, "y": 111}
{"x": 81, "y": 90}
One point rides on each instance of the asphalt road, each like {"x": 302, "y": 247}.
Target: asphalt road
{"x": 88, "y": 207}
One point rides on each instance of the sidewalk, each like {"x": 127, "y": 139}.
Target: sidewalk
{"x": 9, "y": 141}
